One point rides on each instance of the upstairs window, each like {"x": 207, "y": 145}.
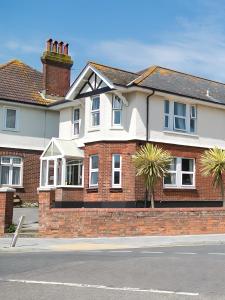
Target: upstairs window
{"x": 181, "y": 173}
{"x": 95, "y": 111}
{"x": 10, "y": 119}
{"x": 10, "y": 171}
{"x": 117, "y": 111}
{"x": 180, "y": 117}
{"x": 93, "y": 174}
{"x": 76, "y": 121}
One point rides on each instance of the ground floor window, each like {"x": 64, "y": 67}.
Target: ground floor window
{"x": 181, "y": 173}
{"x": 116, "y": 170}
{"x": 11, "y": 171}
{"x": 74, "y": 172}
{"x": 93, "y": 174}
{"x": 61, "y": 172}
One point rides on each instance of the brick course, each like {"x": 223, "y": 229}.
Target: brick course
{"x": 31, "y": 172}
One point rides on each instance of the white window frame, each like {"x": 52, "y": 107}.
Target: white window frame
{"x": 179, "y": 174}
{"x": 63, "y": 172}
{"x": 11, "y": 165}
{"x": 116, "y": 170}
{"x": 5, "y": 108}
{"x": 117, "y": 110}
{"x": 94, "y": 111}
{"x": 171, "y": 116}
{"x": 75, "y": 122}
{"x": 93, "y": 170}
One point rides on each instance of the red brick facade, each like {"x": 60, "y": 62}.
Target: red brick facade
{"x": 83, "y": 222}
{"x": 31, "y": 171}
{"x": 133, "y": 188}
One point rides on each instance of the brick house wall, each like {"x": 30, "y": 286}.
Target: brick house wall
{"x": 31, "y": 172}
{"x": 133, "y": 188}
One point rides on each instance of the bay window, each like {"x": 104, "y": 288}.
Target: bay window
{"x": 181, "y": 173}
{"x": 74, "y": 172}
{"x": 76, "y": 121}
{"x": 94, "y": 169}
{"x": 10, "y": 171}
{"x": 117, "y": 111}
{"x": 95, "y": 111}
{"x": 116, "y": 170}
{"x": 180, "y": 117}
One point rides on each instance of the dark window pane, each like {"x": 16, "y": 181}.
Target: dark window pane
{"x": 166, "y": 124}
{"x": 192, "y": 125}
{"x": 180, "y": 109}
{"x": 187, "y": 179}
{"x": 16, "y": 176}
{"x": 76, "y": 114}
{"x": 11, "y": 118}
{"x": 116, "y": 160}
{"x": 117, "y": 117}
{"x": 116, "y": 177}
{"x": 180, "y": 123}
{"x": 95, "y": 103}
{"x": 170, "y": 179}
{"x": 166, "y": 107}
{"x": 94, "y": 178}
{"x": 94, "y": 162}
{"x": 187, "y": 165}
{"x": 5, "y": 175}
{"x": 117, "y": 103}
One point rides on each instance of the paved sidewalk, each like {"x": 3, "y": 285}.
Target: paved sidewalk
{"x": 90, "y": 244}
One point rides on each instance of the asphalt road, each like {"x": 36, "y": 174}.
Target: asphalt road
{"x": 191, "y": 272}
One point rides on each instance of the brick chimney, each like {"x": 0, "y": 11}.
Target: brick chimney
{"x": 56, "y": 68}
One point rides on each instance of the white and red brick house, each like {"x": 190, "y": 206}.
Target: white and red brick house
{"x": 105, "y": 117}
{"x": 27, "y": 124}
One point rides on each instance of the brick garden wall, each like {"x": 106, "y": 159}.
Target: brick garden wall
{"x": 31, "y": 171}
{"x": 73, "y": 222}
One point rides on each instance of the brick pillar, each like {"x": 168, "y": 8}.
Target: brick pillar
{"x": 46, "y": 198}
{"x": 6, "y": 208}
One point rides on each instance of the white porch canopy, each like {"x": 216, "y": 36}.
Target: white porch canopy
{"x": 62, "y": 164}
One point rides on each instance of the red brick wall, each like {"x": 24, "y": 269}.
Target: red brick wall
{"x": 59, "y": 222}
{"x": 31, "y": 171}
{"x": 6, "y": 210}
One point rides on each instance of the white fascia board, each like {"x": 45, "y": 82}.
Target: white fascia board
{"x": 22, "y": 148}
{"x": 81, "y": 77}
{"x": 46, "y": 148}
{"x": 16, "y": 103}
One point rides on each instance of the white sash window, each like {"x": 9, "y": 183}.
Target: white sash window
{"x": 11, "y": 171}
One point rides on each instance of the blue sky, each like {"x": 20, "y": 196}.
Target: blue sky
{"x": 186, "y": 35}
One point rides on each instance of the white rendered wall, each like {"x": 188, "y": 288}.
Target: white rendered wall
{"x": 36, "y": 128}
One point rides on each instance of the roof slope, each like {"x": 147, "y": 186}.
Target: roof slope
{"x": 21, "y": 83}
{"x": 116, "y": 76}
{"x": 184, "y": 84}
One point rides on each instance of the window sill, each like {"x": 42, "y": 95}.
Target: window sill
{"x": 116, "y": 190}
{"x": 70, "y": 186}
{"x": 12, "y": 186}
{"x": 116, "y": 128}
{"x": 92, "y": 129}
{"x": 92, "y": 190}
{"x": 192, "y": 188}
{"x": 11, "y": 129}
{"x": 181, "y": 133}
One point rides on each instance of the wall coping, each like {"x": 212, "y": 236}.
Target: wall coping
{"x": 136, "y": 210}
{"x": 7, "y": 190}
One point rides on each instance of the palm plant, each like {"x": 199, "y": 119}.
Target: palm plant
{"x": 213, "y": 164}
{"x": 152, "y": 163}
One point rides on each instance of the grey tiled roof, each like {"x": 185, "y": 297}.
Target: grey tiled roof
{"x": 184, "y": 84}
{"x": 166, "y": 80}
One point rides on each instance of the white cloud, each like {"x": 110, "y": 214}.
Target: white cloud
{"x": 22, "y": 47}
{"x": 197, "y": 48}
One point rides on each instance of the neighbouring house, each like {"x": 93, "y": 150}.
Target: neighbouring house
{"x": 27, "y": 121}
{"x": 108, "y": 113}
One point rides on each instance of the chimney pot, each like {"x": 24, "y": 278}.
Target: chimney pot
{"x": 49, "y": 45}
{"x": 60, "y": 48}
{"x": 66, "y": 49}
{"x": 55, "y": 47}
